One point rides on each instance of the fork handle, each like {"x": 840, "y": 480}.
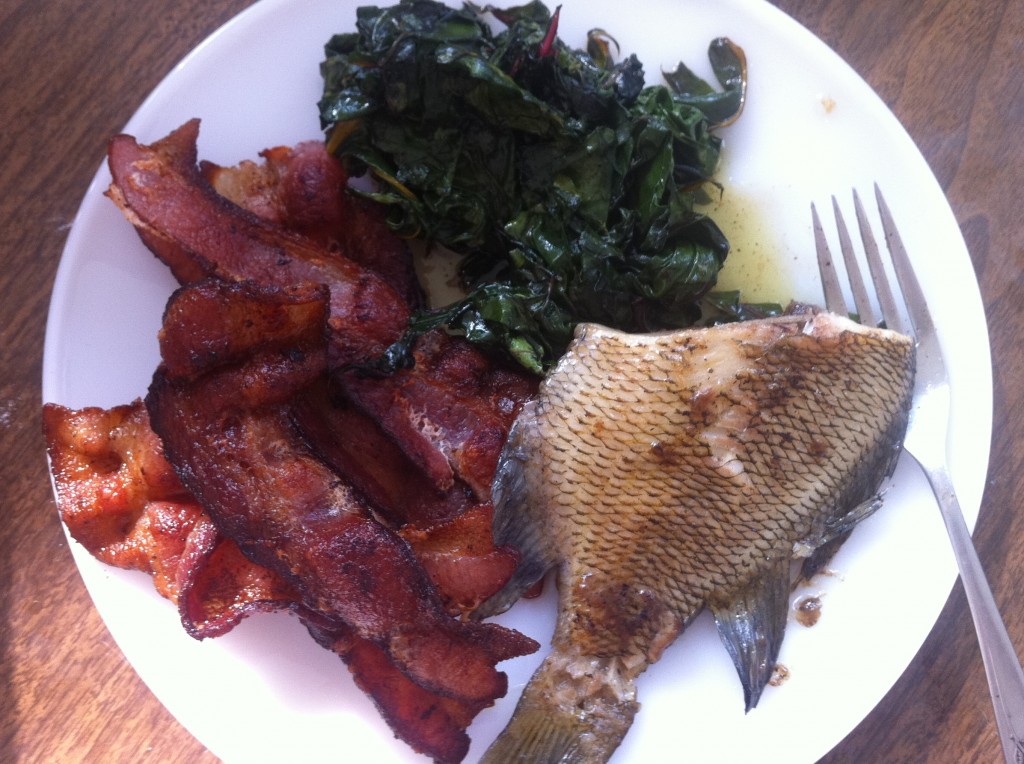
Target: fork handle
{"x": 1002, "y": 667}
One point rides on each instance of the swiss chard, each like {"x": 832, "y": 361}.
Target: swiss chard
{"x": 570, "y": 188}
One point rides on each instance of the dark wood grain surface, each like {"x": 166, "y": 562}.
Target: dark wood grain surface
{"x": 74, "y": 71}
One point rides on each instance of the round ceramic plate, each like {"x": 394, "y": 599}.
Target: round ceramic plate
{"x": 812, "y": 127}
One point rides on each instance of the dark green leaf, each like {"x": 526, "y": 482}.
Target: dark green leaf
{"x": 730, "y": 67}
{"x": 569, "y": 187}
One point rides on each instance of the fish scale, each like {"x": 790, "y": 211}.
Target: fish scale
{"x": 660, "y": 474}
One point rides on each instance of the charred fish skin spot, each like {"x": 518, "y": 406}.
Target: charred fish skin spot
{"x": 622, "y": 616}
{"x": 691, "y": 479}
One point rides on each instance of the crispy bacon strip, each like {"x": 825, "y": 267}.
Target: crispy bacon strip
{"x": 461, "y": 559}
{"x": 451, "y": 411}
{"x": 304, "y": 189}
{"x": 202, "y": 331}
{"x": 228, "y": 431}
{"x": 122, "y": 501}
{"x": 449, "y": 532}
{"x": 117, "y": 495}
{"x": 288, "y": 513}
{"x": 200, "y": 233}
{"x": 356, "y": 447}
{"x": 218, "y": 586}
{"x": 429, "y": 722}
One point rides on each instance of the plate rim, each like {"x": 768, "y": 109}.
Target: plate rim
{"x": 252, "y": 15}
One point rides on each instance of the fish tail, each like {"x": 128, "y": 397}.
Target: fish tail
{"x": 583, "y": 729}
{"x": 535, "y": 736}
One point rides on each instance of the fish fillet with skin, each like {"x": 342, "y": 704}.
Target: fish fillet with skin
{"x": 660, "y": 474}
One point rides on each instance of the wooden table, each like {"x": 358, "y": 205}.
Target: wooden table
{"x": 72, "y": 74}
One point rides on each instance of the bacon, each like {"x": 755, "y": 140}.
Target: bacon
{"x": 113, "y": 483}
{"x": 449, "y": 413}
{"x": 234, "y": 446}
{"x": 289, "y": 513}
{"x": 122, "y": 501}
{"x": 449, "y": 532}
{"x": 304, "y": 189}
{"x": 461, "y": 559}
{"x": 430, "y": 723}
{"x": 203, "y": 330}
{"x": 365, "y": 514}
{"x": 218, "y": 585}
{"x": 107, "y": 460}
{"x": 355, "y": 446}
{"x": 198, "y": 232}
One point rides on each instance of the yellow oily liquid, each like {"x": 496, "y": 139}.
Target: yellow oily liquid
{"x": 753, "y": 264}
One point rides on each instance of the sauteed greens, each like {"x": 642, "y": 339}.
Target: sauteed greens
{"x": 569, "y": 187}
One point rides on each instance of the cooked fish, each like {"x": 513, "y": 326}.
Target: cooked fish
{"x": 663, "y": 473}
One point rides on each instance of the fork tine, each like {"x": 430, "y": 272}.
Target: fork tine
{"x": 860, "y": 293}
{"x": 917, "y": 307}
{"x": 926, "y": 439}
{"x": 890, "y": 312}
{"x": 834, "y": 300}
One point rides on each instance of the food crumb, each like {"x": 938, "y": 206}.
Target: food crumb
{"x": 828, "y": 103}
{"x": 779, "y": 676}
{"x": 808, "y": 610}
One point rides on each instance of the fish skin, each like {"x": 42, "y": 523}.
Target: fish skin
{"x": 662, "y": 473}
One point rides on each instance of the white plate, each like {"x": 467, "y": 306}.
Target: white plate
{"x": 266, "y": 692}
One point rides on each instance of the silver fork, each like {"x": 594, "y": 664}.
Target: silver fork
{"x": 927, "y": 434}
